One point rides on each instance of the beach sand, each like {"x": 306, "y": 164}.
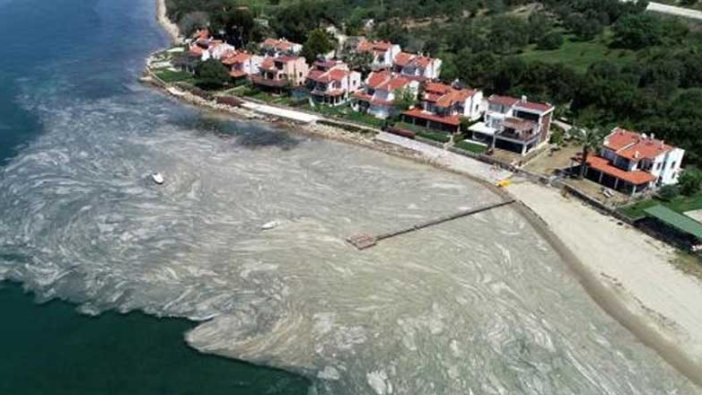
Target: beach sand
{"x": 656, "y": 301}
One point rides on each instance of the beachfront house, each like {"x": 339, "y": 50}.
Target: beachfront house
{"x": 383, "y": 52}
{"x": 242, "y": 64}
{"x": 632, "y": 162}
{"x": 443, "y": 106}
{"x": 417, "y": 66}
{"x": 332, "y": 82}
{"x": 278, "y": 74}
{"x": 378, "y": 93}
{"x": 280, "y": 47}
{"x": 512, "y": 124}
{"x": 203, "y": 46}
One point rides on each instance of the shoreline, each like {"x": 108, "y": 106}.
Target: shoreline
{"x": 633, "y": 300}
{"x": 169, "y": 26}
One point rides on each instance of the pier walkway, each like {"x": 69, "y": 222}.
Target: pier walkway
{"x": 364, "y": 241}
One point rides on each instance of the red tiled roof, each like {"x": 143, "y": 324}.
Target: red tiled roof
{"x": 287, "y": 58}
{"x": 452, "y": 120}
{"x": 540, "y": 107}
{"x": 337, "y": 74}
{"x": 403, "y": 58}
{"x": 632, "y": 145}
{"x": 236, "y": 57}
{"x": 637, "y": 177}
{"x": 444, "y": 95}
{"x": 375, "y": 46}
{"x": 281, "y": 45}
{"x": 376, "y": 78}
{"x": 506, "y": 101}
{"x": 423, "y": 61}
{"x": 267, "y": 64}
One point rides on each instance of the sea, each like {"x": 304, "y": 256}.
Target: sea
{"x": 110, "y": 284}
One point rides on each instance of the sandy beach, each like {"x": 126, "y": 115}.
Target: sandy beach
{"x": 660, "y": 304}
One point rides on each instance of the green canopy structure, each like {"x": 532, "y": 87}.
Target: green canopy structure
{"x": 676, "y": 220}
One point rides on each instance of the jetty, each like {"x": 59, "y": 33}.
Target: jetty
{"x": 364, "y": 241}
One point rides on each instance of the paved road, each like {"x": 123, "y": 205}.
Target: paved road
{"x": 672, "y": 10}
{"x": 677, "y": 11}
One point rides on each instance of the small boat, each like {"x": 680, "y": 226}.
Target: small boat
{"x": 157, "y": 178}
{"x": 270, "y": 225}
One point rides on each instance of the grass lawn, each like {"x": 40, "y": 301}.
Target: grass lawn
{"x": 174, "y": 76}
{"x": 347, "y": 113}
{"x": 442, "y": 137}
{"x": 580, "y": 54}
{"x": 471, "y": 147}
{"x": 681, "y": 204}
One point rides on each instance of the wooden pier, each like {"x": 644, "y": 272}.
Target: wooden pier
{"x": 363, "y": 241}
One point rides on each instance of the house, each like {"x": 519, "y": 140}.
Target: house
{"x": 279, "y": 47}
{"x": 277, "y": 74}
{"x": 443, "y": 106}
{"x": 513, "y": 124}
{"x": 383, "y": 52}
{"x": 378, "y": 94}
{"x": 332, "y": 82}
{"x": 242, "y": 64}
{"x": 203, "y": 46}
{"x": 417, "y": 66}
{"x": 632, "y": 162}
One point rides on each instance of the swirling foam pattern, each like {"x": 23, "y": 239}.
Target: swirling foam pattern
{"x": 480, "y": 305}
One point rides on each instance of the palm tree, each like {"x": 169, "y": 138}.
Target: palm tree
{"x": 591, "y": 140}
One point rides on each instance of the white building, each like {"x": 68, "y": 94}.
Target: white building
{"x": 332, "y": 82}
{"x": 417, "y": 66}
{"x": 513, "y": 124}
{"x": 280, "y": 47}
{"x": 443, "y": 106}
{"x": 633, "y": 162}
{"x": 378, "y": 94}
{"x": 383, "y": 52}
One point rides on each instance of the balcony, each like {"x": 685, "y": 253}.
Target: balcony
{"x": 275, "y": 83}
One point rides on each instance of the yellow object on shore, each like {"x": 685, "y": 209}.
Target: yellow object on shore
{"x": 504, "y": 183}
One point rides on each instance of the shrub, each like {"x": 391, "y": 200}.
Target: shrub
{"x": 668, "y": 192}
{"x": 690, "y": 181}
{"x": 550, "y": 41}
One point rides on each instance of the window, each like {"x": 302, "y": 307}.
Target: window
{"x": 658, "y": 166}
{"x": 672, "y": 165}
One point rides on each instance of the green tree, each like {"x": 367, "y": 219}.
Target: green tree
{"x": 318, "y": 43}
{"x": 590, "y": 140}
{"x": 636, "y": 31}
{"x": 211, "y": 74}
{"x": 550, "y": 41}
{"x": 404, "y": 99}
{"x": 690, "y": 181}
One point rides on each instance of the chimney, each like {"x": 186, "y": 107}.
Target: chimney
{"x": 524, "y": 99}
{"x": 636, "y": 155}
{"x": 653, "y": 136}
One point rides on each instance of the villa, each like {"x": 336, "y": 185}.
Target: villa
{"x": 383, "y": 52}
{"x": 204, "y": 47}
{"x": 417, "y": 66}
{"x": 443, "y": 106}
{"x": 280, "y": 73}
{"x": 332, "y": 82}
{"x": 242, "y": 64}
{"x": 280, "y": 47}
{"x": 631, "y": 162}
{"x": 513, "y": 124}
{"x": 378, "y": 94}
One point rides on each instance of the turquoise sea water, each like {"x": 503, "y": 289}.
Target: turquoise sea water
{"x": 50, "y": 349}
{"x": 88, "y": 50}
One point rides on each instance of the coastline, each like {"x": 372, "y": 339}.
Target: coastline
{"x": 628, "y": 274}
{"x": 171, "y": 28}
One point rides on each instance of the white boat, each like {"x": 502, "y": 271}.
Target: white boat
{"x": 270, "y": 225}
{"x": 157, "y": 178}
